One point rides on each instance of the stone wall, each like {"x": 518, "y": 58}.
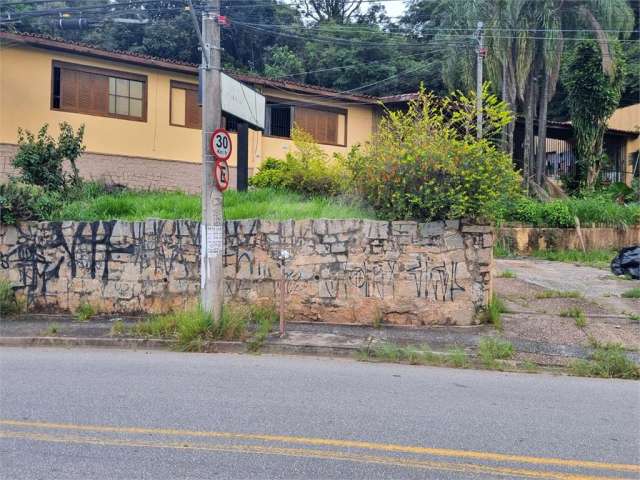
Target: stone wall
{"x": 348, "y": 271}
{"x": 524, "y": 239}
{"x": 134, "y": 172}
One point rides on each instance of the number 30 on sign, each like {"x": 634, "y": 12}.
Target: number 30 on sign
{"x": 220, "y": 144}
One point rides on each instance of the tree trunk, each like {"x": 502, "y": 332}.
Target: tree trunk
{"x": 509, "y": 96}
{"x": 529, "y": 107}
{"x": 542, "y": 128}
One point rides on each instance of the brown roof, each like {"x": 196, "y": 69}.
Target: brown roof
{"x": 51, "y": 43}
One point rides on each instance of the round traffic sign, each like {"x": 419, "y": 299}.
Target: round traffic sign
{"x": 220, "y": 144}
{"x": 221, "y": 174}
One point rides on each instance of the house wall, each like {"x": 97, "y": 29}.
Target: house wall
{"x": 628, "y": 119}
{"x": 128, "y": 150}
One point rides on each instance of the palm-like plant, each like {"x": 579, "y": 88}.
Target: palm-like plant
{"x": 526, "y": 40}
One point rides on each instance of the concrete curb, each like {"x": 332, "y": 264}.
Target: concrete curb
{"x": 276, "y": 346}
{"x": 135, "y": 343}
{"x": 161, "y": 344}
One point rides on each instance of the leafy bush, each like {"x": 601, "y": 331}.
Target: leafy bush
{"x": 426, "y": 163}
{"x": 597, "y": 209}
{"x": 41, "y": 159}
{"x": 22, "y": 201}
{"x": 309, "y": 170}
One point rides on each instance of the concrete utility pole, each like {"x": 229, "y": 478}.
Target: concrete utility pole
{"x": 480, "y": 56}
{"x": 212, "y": 230}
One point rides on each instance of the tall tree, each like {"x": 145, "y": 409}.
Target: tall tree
{"x": 525, "y": 40}
{"x": 593, "y": 94}
{"x": 338, "y": 11}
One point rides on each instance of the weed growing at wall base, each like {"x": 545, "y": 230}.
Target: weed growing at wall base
{"x": 494, "y": 311}
{"x": 192, "y": 328}
{"x": 84, "y": 312}
{"x": 8, "y": 302}
{"x": 591, "y": 258}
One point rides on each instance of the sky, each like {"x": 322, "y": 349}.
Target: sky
{"x": 394, "y": 8}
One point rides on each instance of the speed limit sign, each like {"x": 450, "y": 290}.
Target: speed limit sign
{"x": 220, "y": 144}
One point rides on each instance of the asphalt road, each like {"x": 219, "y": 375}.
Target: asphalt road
{"x": 110, "y": 414}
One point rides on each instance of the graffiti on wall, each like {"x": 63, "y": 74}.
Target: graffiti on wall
{"x": 156, "y": 261}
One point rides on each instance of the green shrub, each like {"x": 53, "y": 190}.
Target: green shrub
{"x": 597, "y": 209}
{"x": 426, "y": 163}
{"x": 309, "y": 170}
{"x": 40, "y": 160}
{"x": 21, "y": 202}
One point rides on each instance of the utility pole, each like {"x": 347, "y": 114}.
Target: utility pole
{"x": 212, "y": 230}
{"x": 480, "y": 51}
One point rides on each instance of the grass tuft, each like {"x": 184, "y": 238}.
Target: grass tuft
{"x": 507, "y": 274}
{"x": 8, "y": 303}
{"x": 456, "y": 357}
{"x": 558, "y": 294}
{"x": 84, "y": 312}
{"x": 494, "y": 311}
{"x": 117, "y": 329}
{"x": 633, "y": 293}
{"x": 500, "y": 250}
{"x": 492, "y": 349}
{"x": 577, "y": 314}
{"x": 194, "y": 327}
{"x": 414, "y": 355}
{"x": 607, "y": 361}
{"x": 52, "y": 330}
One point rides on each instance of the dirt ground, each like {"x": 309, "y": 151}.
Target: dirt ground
{"x": 609, "y": 317}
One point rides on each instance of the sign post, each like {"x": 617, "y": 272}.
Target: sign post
{"x": 212, "y": 230}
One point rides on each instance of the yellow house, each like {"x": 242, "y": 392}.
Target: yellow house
{"x": 141, "y": 113}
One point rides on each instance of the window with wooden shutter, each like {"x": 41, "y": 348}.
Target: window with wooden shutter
{"x": 97, "y": 91}
{"x": 185, "y": 110}
{"x": 328, "y": 127}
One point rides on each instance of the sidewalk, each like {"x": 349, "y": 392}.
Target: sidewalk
{"x": 301, "y": 338}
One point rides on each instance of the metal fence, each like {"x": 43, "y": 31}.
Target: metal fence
{"x": 561, "y": 161}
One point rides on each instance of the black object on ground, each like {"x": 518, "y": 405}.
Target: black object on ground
{"x": 627, "y": 262}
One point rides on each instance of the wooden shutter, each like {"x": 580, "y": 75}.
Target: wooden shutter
{"x": 322, "y": 125}
{"x": 68, "y": 89}
{"x": 193, "y": 112}
{"x": 93, "y": 93}
{"x": 84, "y": 92}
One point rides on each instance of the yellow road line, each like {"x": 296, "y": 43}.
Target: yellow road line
{"x": 476, "y": 455}
{"x": 306, "y": 453}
